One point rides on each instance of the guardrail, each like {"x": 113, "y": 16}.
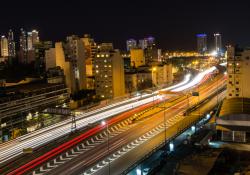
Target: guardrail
{"x": 184, "y": 124}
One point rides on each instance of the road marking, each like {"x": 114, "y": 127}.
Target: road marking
{"x": 34, "y": 173}
{"x": 43, "y": 170}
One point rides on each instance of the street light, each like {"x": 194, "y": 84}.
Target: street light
{"x": 165, "y": 127}
{"x": 104, "y": 123}
{"x": 154, "y": 79}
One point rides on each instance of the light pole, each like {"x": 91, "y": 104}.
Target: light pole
{"x": 104, "y": 123}
{"x": 154, "y": 79}
{"x": 165, "y": 127}
{"x": 188, "y": 102}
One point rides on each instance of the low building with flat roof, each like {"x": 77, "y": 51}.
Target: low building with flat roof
{"x": 234, "y": 119}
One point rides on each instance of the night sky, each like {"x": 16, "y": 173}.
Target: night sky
{"x": 173, "y": 23}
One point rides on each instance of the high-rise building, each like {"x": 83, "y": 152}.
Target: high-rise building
{"x": 150, "y": 41}
{"x": 38, "y": 55}
{"x": 35, "y": 37}
{"x": 233, "y": 121}
{"x": 131, "y": 44}
{"x": 11, "y": 44}
{"x": 146, "y": 42}
{"x": 201, "y": 43}
{"x": 151, "y": 51}
{"x": 217, "y": 42}
{"x": 50, "y": 58}
{"x": 238, "y": 69}
{"x": 70, "y": 56}
{"x": 23, "y": 46}
{"x": 29, "y": 41}
{"x": 32, "y": 39}
{"x": 90, "y": 51}
{"x": 142, "y": 44}
{"x": 4, "y": 47}
{"x": 23, "y": 40}
{"x": 109, "y": 72}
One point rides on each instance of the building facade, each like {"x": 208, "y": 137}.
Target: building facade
{"x": 70, "y": 56}
{"x": 137, "y": 57}
{"x": 109, "y": 72}
{"x": 234, "y": 117}
{"x": 238, "y": 69}
{"x": 162, "y": 75}
{"x": 90, "y": 52}
{"x": 138, "y": 79}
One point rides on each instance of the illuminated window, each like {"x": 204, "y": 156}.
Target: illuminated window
{"x": 97, "y": 56}
{"x": 105, "y": 76}
{"x": 106, "y": 86}
{"x": 105, "y": 65}
{"x": 97, "y": 71}
{"x": 105, "y": 61}
{"x": 96, "y": 66}
{"x": 109, "y": 65}
{"x": 107, "y": 55}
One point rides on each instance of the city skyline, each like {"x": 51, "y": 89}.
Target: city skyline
{"x": 124, "y": 87}
{"x": 171, "y": 26}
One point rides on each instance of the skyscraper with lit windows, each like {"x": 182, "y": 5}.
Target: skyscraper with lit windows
{"x": 109, "y": 72}
{"x": 22, "y": 46}
{"x": 217, "y": 42}
{"x": 32, "y": 39}
{"x": 201, "y": 43}
{"x": 131, "y": 44}
{"x": 11, "y": 44}
{"x": 4, "y": 47}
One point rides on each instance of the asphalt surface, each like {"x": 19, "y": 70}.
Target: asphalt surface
{"x": 99, "y": 152}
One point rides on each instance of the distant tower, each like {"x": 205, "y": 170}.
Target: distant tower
{"x": 217, "y": 42}
{"x": 23, "y": 40}
{"x": 4, "y": 47}
{"x": 35, "y": 37}
{"x": 23, "y": 47}
{"x": 131, "y": 44}
{"x": 32, "y": 38}
{"x": 11, "y": 44}
{"x": 201, "y": 43}
{"x": 29, "y": 41}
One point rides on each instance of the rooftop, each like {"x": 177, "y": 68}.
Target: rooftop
{"x": 235, "y": 106}
{"x": 27, "y": 90}
{"x": 235, "y": 114}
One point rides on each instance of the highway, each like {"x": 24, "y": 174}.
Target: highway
{"x": 14, "y": 148}
{"x": 119, "y": 165}
{"x": 10, "y": 151}
{"x": 76, "y": 163}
